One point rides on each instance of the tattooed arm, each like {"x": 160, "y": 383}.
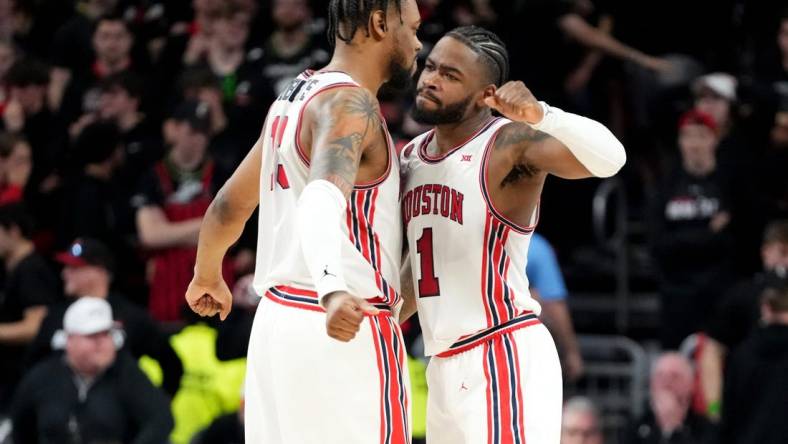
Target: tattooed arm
{"x": 535, "y": 152}
{"x": 221, "y": 227}
{"x": 344, "y": 124}
{"x": 553, "y": 141}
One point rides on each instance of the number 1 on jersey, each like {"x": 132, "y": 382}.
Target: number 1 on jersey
{"x": 429, "y": 285}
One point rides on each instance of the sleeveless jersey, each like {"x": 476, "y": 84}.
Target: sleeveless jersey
{"x": 468, "y": 260}
{"x": 372, "y": 247}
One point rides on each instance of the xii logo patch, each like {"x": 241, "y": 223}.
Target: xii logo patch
{"x": 466, "y": 158}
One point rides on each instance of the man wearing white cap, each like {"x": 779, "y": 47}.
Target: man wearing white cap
{"x": 715, "y": 94}
{"x": 737, "y": 151}
{"x": 88, "y": 270}
{"x": 92, "y": 393}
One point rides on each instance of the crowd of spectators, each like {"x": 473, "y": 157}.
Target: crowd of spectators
{"x": 120, "y": 119}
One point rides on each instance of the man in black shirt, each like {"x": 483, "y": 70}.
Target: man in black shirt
{"x": 27, "y": 113}
{"x": 88, "y": 196}
{"x": 756, "y": 384}
{"x": 294, "y": 46}
{"x": 30, "y": 286}
{"x": 88, "y": 268}
{"x": 112, "y": 43}
{"x": 690, "y": 239}
{"x": 171, "y": 201}
{"x": 738, "y": 314}
{"x": 92, "y": 393}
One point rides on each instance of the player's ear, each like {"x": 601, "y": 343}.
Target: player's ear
{"x": 488, "y": 91}
{"x": 377, "y": 25}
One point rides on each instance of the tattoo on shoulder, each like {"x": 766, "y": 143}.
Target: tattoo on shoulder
{"x": 517, "y": 134}
{"x": 342, "y": 155}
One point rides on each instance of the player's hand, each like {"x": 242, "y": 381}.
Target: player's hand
{"x": 209, "y": 297}
{"x": 516, "y": 102}
{"x": 344, "y": 315}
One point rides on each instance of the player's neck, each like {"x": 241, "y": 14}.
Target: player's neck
{"x": 358, "y": 64}
{"x": 449, "y": 136}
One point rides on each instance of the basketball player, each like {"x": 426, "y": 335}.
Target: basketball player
{"x": 470, "y": 204}
{"x": 330, "y": 243}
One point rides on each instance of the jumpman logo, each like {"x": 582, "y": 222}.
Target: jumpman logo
{"x": 462, "y": 387}
{"x": 326, "y": 273}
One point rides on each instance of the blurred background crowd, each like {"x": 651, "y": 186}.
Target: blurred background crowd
{"x": 120, "y": 119}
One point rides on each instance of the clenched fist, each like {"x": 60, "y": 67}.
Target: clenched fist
{"x": 344, "y": 315}
{"x": 209, "y": 297}
{"x": 515, "y": 101}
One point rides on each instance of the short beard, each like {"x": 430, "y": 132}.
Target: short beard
{"x": 443, "y": 115}
{"x": 400, "y": 77}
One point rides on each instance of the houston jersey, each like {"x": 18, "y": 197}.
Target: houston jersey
{"x": 468, "y": 260}
{"x": 372, "y": 247}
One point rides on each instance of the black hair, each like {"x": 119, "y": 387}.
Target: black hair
{"x": 97, "y": 142}
{"x": 16, "y": 215}
{"x": 114, "y": 17}
{"x": 125, "y": 80}
{"x": 345, "y": 17}
{"x": 194, "y": 79}
{"x": 8, "y": 142}
{"x": 28, "y": 72}
{"x": 487, "y": 44}
{"x": 776, "y": 232}
{"x": 776, "y": 297}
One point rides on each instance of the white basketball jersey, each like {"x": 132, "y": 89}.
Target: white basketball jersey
{"x": 371, "y": 252}
{"x": 468, "y": 261}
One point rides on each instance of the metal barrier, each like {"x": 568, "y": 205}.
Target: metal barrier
{"x": 616, "y": 374}
{"x": 614, "y": 242}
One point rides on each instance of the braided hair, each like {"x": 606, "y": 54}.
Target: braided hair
{"x": 345, "y": 17}
{"x": 492, "y": 49}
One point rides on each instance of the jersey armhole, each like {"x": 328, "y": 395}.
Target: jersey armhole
{"x": 488, "y": 199}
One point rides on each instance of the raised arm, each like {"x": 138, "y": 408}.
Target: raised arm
{"x": 547, "y": 139}
{"x": 221, "y": 227}
{"x": 342, "y": 124}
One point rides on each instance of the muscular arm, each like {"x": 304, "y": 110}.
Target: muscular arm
{"x": 226, "y": 217}
{"x": 539, "y": 152}
{"x": 548, "y": 139}
{"x": 342, "y": 124}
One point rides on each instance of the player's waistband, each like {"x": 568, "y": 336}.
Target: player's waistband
{"x": 307, "y": 299}
{"x": 468, "y": 342}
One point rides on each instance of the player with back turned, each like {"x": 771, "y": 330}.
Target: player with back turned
{"x": 326, "y": 176}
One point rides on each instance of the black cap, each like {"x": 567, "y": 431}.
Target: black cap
{"x": 87, "y": 251}
{"x": 195, "y": 113}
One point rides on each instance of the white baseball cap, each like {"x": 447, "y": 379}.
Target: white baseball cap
{"x": 86, "y": 316}
{"x": 722, "y": 84}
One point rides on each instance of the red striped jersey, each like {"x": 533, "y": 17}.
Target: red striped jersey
{"x": 371, "y": 253}
{"x": 468, "y": 260}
